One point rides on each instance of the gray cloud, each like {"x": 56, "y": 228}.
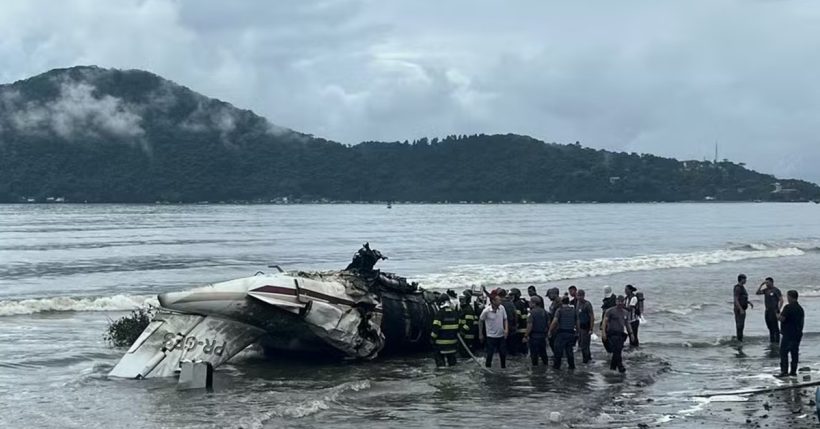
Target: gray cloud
{"x": 660, "y": 77}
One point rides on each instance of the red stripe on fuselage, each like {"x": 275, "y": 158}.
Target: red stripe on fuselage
{"x": 307, "y": 292}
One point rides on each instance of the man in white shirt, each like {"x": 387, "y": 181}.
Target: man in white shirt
{"x": 493, "y": 331}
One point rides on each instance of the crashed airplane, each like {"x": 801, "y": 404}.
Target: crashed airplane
{"x": 359, "y": 312}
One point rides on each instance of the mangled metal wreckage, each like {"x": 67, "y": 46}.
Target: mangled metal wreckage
{"x": 358, "y": 312}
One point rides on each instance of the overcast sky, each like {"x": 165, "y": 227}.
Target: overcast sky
{"x": 662, "y": 77}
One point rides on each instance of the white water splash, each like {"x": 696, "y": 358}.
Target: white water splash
{"x": 307, "y": 407}
{"x": 548, "y": 271}
{"x": 105, "y": 303}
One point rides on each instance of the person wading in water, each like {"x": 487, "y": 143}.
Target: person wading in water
{"x": 537, "y": 331}
{"x": 615, "y": 323}
{"x": 774, "y": 302}
{"x": 564, "y": 327}
{"x": 633, "y": 317}
{"x": 586, "y": 319}
{"x": 493, "y": 331}
{"x": 741, "y": 304}
{"x": 791, "y": 322}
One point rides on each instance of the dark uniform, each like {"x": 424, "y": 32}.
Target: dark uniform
{"x": 444, "y": 335}
{"x": 567, "y": 319}
{"x": 608, "y": 302}
{"x": 585, "y": 315}
{"x": 469, "y": 326}
{"x": 742, "y": 299}
{"x": 772, "y": 301}
{"x": 521, "y": 312}
{"x": 551, "y": 311}
{"x": 538, "y": 336}
{"x": 478, "y": 307}
{"x": 616, "y": 324}
{"x": 791, "y": 324}
{"x": 512, "y": 325}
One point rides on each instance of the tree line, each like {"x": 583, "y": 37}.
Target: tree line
{"x": 186, "y": 153}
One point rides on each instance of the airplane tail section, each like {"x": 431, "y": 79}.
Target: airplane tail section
{"x": 175, "y": 337}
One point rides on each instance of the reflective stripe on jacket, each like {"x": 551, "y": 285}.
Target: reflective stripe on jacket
{"x": 445, "y": 330}
{"x": 468, "y": 322}
{"x": 521, "y": 312}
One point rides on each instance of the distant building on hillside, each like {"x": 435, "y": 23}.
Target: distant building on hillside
{"x": 778, "y": 189}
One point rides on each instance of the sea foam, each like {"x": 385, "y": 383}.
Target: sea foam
{"x": 549, "y": 271}
{"x": 482, "y": 275}
{"x": 64, "y": 303}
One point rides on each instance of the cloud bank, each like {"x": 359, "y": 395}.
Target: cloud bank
{"x": 660, "y": 77}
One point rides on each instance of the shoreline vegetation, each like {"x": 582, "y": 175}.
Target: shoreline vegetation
{"x": 94, "y": 135}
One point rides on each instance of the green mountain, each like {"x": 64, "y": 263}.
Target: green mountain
{"x": 102, "y": 135}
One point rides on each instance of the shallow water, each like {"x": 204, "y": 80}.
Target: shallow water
{"x": 66, "y": 269}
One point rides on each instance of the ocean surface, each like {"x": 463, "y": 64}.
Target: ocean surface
{"x": 66, "y": 270}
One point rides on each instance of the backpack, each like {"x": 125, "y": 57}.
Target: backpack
{"x": 639, "y": 307}
{"x": 609, "y": 302}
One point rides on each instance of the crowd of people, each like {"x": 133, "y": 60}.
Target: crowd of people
{"x": 504, "y": 323}
{"x": 784, "y": 322}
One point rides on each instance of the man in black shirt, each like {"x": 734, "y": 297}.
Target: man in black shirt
{"x": 741, "y": 304}
{"x": 774, "y": 302}
{"x": 791, "y": 323}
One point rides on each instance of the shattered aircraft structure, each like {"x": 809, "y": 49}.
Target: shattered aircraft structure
{"x": 358, "y": 312}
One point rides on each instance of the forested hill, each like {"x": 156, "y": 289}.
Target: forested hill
{"x": 100, "y": 135}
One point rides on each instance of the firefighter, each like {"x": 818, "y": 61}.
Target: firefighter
{"x": 444, "y": 335}
{"x": 468, "y": 322}
{"x": 521, "y": 312}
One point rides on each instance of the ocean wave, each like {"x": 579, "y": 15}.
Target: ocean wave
{"x": 717, "y": 342}
{"x": 54, "y": 269}
{"x": 682, "y": 311}
{"x": 549, "y": 271}
{"x": 64, "y": 303}
{"x": 308, "y": 407}
{"x": 482, "y": 275}
{"x": 722, "y": 341}
{"x": 804, "y": 245}
{"x": 751, "y": 246}
{"x": 685, "y": 310}
{"x": 315, "y": 405}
